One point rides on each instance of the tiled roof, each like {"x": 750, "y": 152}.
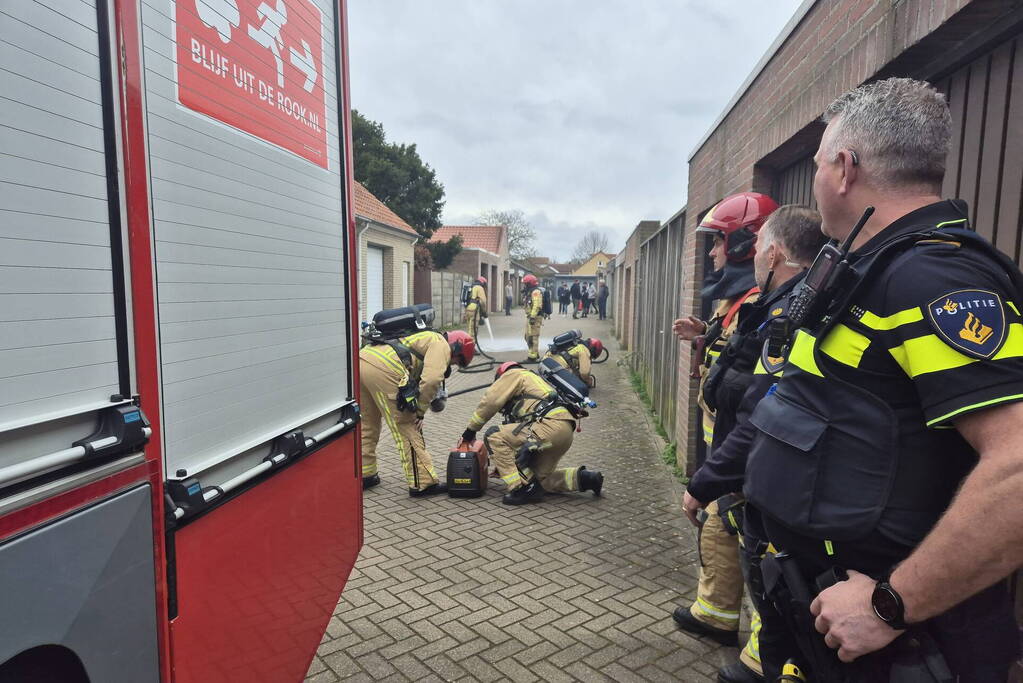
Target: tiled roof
{"x": 369, "y": 207}
{"x": 473, "y": 236}
{"x": 563, "y": 268}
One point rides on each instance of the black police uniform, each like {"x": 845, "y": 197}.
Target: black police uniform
{"x": 857, "y": 457}
{"x": 747, "y": 374}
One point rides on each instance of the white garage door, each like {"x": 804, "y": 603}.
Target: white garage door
{"x": 374, "y": 281}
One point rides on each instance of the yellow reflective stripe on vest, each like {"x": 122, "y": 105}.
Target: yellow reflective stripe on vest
{"x": 890, "y": 322}
{"x": 1013, "y": 307}
{"x": 388, "y": 356}
{"x": 925, "y": 354}
{"x": 801, "y": 354}
{"x": 845, "y": 345}
{"x": 557, "y": 411}
{"x": 955, "y": 222}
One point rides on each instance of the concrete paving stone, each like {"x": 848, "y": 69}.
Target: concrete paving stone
{"x": 411, "y": 668}
{"x": 573, "y": 588}
{"x": 316, "y": 666}
{"x": 480, "y": 670}
{"x": 444, "y": 667}
{"x": 327, "y": 676}
{"x": 341, "y": 664}
{"x": 339, "y": 644}
{"x": 515, "y": 671}
{"x": 376, "y": 665}
{"x": 550, "y": 673}
{"x": 435, "y": 647}
{"x": 402, "y": 646}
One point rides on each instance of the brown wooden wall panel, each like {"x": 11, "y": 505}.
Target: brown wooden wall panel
{"x": 985, "y": 164}
{"x": 794, "y": 185}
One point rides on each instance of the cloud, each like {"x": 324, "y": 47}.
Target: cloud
{"x": 581, "y": 114}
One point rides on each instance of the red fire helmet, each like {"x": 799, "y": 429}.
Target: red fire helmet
{"x": 736, "y": 219}
{"x": 463, "y": 347}
{"x": 505, "y": 367}
{"x": 530, "y": 280}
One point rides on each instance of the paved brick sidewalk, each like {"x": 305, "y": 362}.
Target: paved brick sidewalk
{"x": 574, "y": 588}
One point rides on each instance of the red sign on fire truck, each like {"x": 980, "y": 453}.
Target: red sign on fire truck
{"x": 256, "y": 65}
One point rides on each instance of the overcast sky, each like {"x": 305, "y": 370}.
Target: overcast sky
{"x": 581, "y": 113}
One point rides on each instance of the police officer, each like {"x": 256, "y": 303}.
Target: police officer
{"x": 476, "y": 309}
{"x": 538, "y": 430}
{"x": 534, "y": 315}
{"x": 786, "y": 245}
{"x": 578, "y": 358}
{"x": 891, "y": 445}
{"x": 732, "y": 225}
{"x": 399, "y": 379}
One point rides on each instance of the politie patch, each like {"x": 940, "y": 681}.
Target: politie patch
{"x": 970, "y": 320}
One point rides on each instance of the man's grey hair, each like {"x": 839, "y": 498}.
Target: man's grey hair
{"x": 900, "y": 130}
{"x": 797, "y": 230}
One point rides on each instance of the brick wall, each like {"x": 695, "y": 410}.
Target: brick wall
{"x": 835, "y": 47}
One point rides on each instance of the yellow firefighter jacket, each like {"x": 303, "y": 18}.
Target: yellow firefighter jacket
{"x": 519, "y": 392}
{"x": 578, "y": 360}
{"x": 430, "y": 358}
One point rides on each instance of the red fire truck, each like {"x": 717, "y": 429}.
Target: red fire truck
{"x": 180, "y": 490}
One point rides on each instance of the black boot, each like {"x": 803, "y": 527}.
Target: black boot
{"x": 684, "y": 618}
{"x": 370, "y": 481}
{"x": 737, "y": 672}
{"x": 431, "y": 490}
{"x": 529, "y": 493}
{"x": 590, "y": 481}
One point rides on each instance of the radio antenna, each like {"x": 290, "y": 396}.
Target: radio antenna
{"x": 867, "y": 213}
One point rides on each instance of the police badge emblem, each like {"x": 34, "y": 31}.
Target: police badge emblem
{"x": 971, "y": 321}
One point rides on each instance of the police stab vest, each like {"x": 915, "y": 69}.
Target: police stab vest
{"x": 828, "y": 463}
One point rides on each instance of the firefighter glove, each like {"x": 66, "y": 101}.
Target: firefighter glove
{"x": 468, "y": 436}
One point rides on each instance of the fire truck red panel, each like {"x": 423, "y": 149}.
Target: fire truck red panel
{"x": 258, "y": 580}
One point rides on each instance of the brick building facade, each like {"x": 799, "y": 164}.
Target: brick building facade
{"x": 765, "y": 138}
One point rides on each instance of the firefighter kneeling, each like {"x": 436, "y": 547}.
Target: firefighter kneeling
{"x": 538, "y": 430}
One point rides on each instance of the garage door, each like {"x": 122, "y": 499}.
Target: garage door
{"x": 374, "y": 281}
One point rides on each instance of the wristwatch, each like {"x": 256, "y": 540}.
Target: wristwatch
{"x": 888, "y": 605}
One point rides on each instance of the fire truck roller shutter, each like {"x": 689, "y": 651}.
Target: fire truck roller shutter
{"x": 250, "y": 226}
{"x": 62, "y": 333}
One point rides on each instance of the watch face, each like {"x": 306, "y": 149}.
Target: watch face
{"x": 886, "y": 604}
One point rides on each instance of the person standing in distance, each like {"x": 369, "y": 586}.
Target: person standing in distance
{"x": 476, "y": 309}
{"x": 534, "y": 316}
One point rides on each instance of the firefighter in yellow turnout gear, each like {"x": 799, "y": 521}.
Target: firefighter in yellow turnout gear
{"x": 398, "y": 380}
{"x": 578, "y": 359}
{"x": 476, "y": 309}
{"x": 538, "y": 431}
{"x": 534, "y": 315}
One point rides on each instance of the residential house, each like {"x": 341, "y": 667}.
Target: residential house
{"x": 385, "y": 255}
{"x": 484, "y": 252}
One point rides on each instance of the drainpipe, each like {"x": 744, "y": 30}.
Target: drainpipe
{"x": 359, "y": 263}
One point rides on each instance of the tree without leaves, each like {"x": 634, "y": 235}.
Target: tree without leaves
{"x": 591, "y": 242}
{"x": 396, "y": 175}
{"x": 443, "y": 253}
{"x": 521, "y": 235}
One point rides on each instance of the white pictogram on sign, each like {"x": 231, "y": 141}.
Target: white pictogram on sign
{"x": 306, "y": 64}
{"x": 268, "y": 34}
{"x": 220, "y": 15}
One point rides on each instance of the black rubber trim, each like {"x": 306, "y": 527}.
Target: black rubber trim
{"x": 106, "y": 75}
{"x": 345, "y": 199}
{"x": 171, "y": 552}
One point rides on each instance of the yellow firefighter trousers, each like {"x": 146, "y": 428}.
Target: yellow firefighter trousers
{"x": 554, "y": 436}
{"x": 379, "y": 390}
{"x": 532, "y": 336}
{"x": 719, "y": 594}
{"x": 472, "y": 319}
